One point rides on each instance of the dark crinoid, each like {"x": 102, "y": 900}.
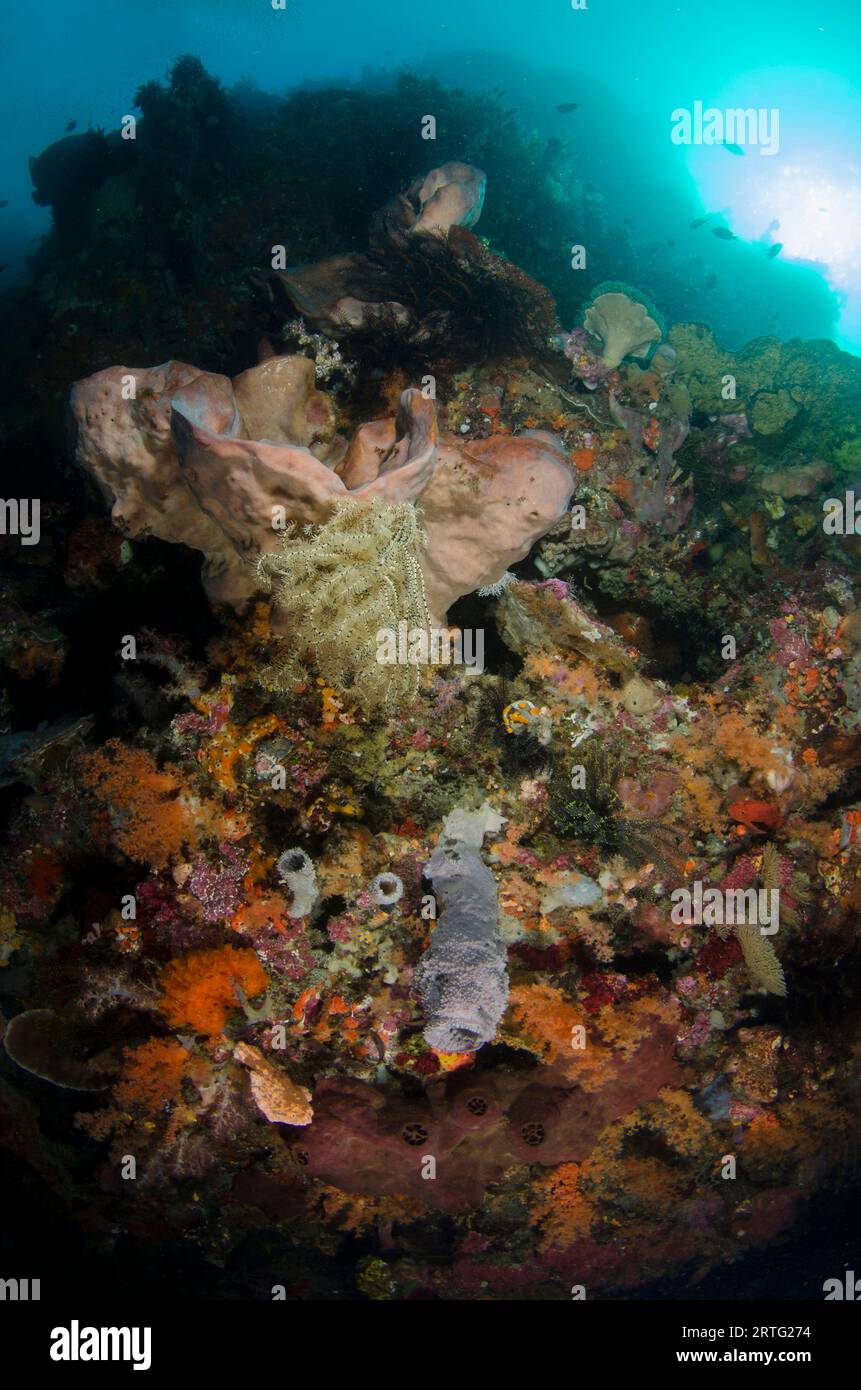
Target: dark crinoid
{"x": 523, "y": 751}
{"x": 593, "y": 811}
{"x": 464, "y": 300}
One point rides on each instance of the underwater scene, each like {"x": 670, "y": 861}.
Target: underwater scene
{"x": 430, "y": 627}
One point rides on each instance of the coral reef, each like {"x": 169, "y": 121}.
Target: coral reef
{"x": 169, "y": 449}
{"x": 436, "y": 980}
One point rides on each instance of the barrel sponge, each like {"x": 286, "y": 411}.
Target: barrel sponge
{"x": 462, "y": 980}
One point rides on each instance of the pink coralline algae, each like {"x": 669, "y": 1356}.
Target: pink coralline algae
{"x": 200, "y": 725}
{"x": 285, "y": 950}
{"x": 586, "y": 363}
{"x": 789, "y": 643}
{"x": 217, "y": 887}
{"x": 557, "y": 587}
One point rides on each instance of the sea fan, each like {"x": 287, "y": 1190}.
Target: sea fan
{"x": 761, "y": 959}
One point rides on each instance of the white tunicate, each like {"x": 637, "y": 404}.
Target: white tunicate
{"x": 386, "y": 890}
{"x": 294, "y": 868}
{"x": 571, "y": 890}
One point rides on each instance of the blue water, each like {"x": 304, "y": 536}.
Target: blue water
{"x": 629, "y": 65}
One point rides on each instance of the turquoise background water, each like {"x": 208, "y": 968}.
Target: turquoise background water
{"x": 626, "y": 63}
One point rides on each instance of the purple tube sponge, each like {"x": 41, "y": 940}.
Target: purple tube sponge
{"x": 462, "y": 980}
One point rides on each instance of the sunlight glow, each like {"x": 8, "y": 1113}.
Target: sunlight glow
{"x": 819, "y": 217}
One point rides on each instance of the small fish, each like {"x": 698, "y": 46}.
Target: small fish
{"x": 733, "y": 149}
{"x": 699, "y": 222}
{"x": 70, "y": 125}
{"x": 711, "y": 282}
{"x": 774, "y": 250}
{"x": 5, "y": 266}
{"x": 670, "y": 241}
{"x": 724, "y": 233}
{"x": 567, "y": 107}
{"x": 4, "y": 203}
{"x": 759, "y": 816}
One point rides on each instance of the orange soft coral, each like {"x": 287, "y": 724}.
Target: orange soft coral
{"x": 545, "y": 1018}
{"x": 143, "y": 812}
{"x": 702, "y": 804}
{"x": 626, "y": 1025}
{"x": 261, "y": 909}
{"x": 586, "y": 1047}
{"x": 561, "y": 1209}
{"x": 153, "y": 1073}
{"x": 752, "y": 752}
{"x": 547, "y": 1022}
{"x": 559, "y": 678}
{"x": 200, "y": 990}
